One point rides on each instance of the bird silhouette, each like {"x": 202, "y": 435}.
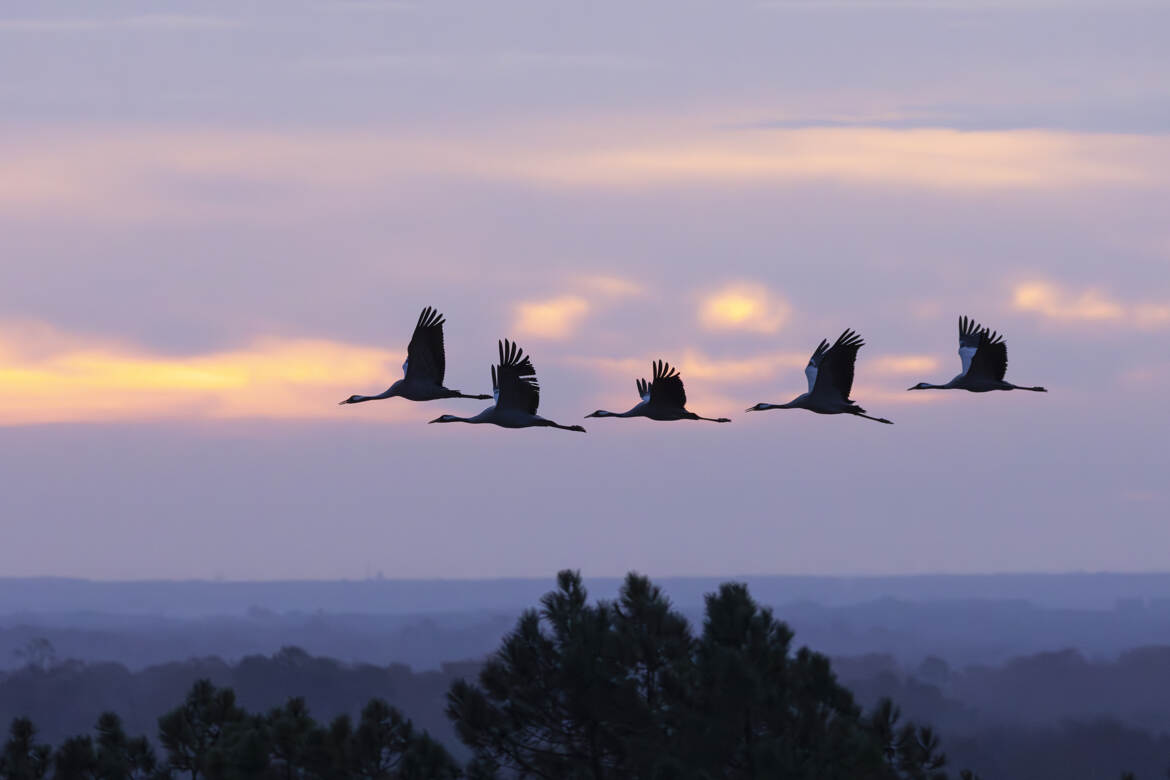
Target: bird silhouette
{"x": 517, "y": 395}
{"x": 425, "y": 366}
{"x": 984, "y": 356}
{"x": 663, "y": 398}
{"x": 830, "y": 380}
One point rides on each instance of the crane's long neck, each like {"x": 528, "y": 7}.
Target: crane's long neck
{"x": 637, "y": 411}
{"x": 388, "y": 393}
{"x": 450, "y": 418}
{"x": 766, "y": 407}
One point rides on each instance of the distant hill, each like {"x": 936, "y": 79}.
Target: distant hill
{"x": 194, "y": 598}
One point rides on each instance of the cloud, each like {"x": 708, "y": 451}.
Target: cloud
{"x": 452, "y": 65}
{"x": 1055, "y": 302}
{"x": 140, "y": 174}
{"x": 559, "y": 317}
{"x": 47, "y": 376}
{"x": 609, "y": 286}
{"x": 365, "y": 5}
{"x": 899, "y": 365}
{"x": 946, "y": 5}
{"x": 555, "y": 318}
{"x": 695, "y": 364}
{"x": 144, "y": 22}
{"x": 924, "y": 157}
{"x": 743, "y": 306}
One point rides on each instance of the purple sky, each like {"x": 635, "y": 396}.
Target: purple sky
{"x": 216, "y": 222}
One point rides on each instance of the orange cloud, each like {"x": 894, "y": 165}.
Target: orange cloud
{"x": 743, "y": 306}
{"x": 83, "y": 380}
{"x": 925, "y": 157}
{"x": 610, "y": 286}
{"x": 693, "y": 364}
{"x": 556, "y": 318}
{"x": 136, "y": 174}
{"x": 898, "y": 365}
{"x": 1053, "y": 301}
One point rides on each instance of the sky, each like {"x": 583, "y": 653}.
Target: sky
{"x": 219, "y": 219}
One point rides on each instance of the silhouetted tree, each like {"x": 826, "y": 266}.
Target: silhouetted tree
{"x": 557, "y": 703}
{"x": 623, "y": 690}
{"x": 37, "y": 653}
{"x": 23, "y": 757}
{"x": 289, "y": 730}
{"x": 75, "y": 760}
{"x": 118, "y": 756}
{"x": 192, "y": 731}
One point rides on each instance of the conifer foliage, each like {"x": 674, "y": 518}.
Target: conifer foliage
{"x": 625, "y": 689}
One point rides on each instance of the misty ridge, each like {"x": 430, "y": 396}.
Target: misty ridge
{"x": 1013, "y": 688}
{"x": 965, "y": 620}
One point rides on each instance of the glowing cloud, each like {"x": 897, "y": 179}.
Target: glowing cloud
{"x": 1055, "y": 302}
{"x": 693, "y": 364}
{"x": 898, "y": 365}
{"x": 556, "y": 318}
{"x": 136, "y": 174}
{"x": 743, "y": 306}
{"x": 82, "y": 380}
{"x": 610, "y": 286}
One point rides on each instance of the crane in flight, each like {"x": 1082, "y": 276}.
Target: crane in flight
{"x": 425, "y": 366}
{"x": 984, "y": 356}
{"x": 663, "y": 398}
{"x": 517, "y": 395}
{"x": 830, "y": 380}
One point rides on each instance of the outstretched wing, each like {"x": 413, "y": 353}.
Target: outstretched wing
{"x": 426, "y": 360}
{"x": 969, "y": 334}
{"x": 990, "y": 358}
{"x": 643, "y": 389}
{"x": 514, "y": 380}
{"x": 835, "y": 369}
{"x": 814, "y": 362}
{"x": 667, "y": 388}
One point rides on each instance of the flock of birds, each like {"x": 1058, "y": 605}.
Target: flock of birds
{"x": 516, "y": 393}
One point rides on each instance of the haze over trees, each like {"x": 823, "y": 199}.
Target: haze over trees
{"x": 607, "y": 690}
{"x": 622, "y": 687}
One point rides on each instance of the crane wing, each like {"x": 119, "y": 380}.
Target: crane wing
{"x": 835, "y": 369}
{"x": 426, "y": 360}
{"x": 814, "y": 362}
{"x": 667, "y": 388}
{"x": 990, "y": 358}
{"x": 969, "y": 334}
{"x": 514, "y": 380}
{"x": 643, "y": 389}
